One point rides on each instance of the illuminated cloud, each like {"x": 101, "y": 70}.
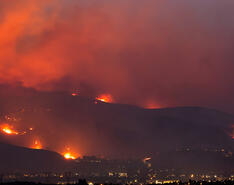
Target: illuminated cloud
{"x": 173, "y": 53}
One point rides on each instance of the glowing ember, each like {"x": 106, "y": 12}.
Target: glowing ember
{"x": 37, "y": 145}
{"x": 6, "y": 129}
{"x": 107, "y": 98}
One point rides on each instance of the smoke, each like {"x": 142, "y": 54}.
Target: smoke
{"x": 159, "y": 53}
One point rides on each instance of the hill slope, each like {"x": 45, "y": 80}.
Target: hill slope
{"x": 113, "y": 129}
{"x": 14, "y": 158}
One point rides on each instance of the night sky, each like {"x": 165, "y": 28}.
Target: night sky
{"x": 148, "y": 53}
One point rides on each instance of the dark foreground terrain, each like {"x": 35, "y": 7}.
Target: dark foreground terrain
{"x": 84, "y": 182}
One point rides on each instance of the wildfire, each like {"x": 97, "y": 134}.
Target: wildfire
{"x": 6, "y": 129}
{"x": 69, "y": 155}
{"x": 37, "y": 145}
{"x": 107, "y": 98}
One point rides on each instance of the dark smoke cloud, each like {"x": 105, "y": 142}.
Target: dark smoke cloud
{"x": 142, "y": 52}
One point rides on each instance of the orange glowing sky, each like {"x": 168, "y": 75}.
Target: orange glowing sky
{"x": 64, "y": 45}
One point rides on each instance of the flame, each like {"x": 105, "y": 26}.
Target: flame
{"x": 69, "y": 155}
{"x": 9, "y": 130}
{"x": 37, "y": 145}
{"x": 6, "y": 129}
{"x": 107, "y": 98}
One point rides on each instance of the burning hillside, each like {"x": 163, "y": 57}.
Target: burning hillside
{"x": 6, "y": 129}
{"x": 57, "y": 121}
{"x": 107, "y": 98}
